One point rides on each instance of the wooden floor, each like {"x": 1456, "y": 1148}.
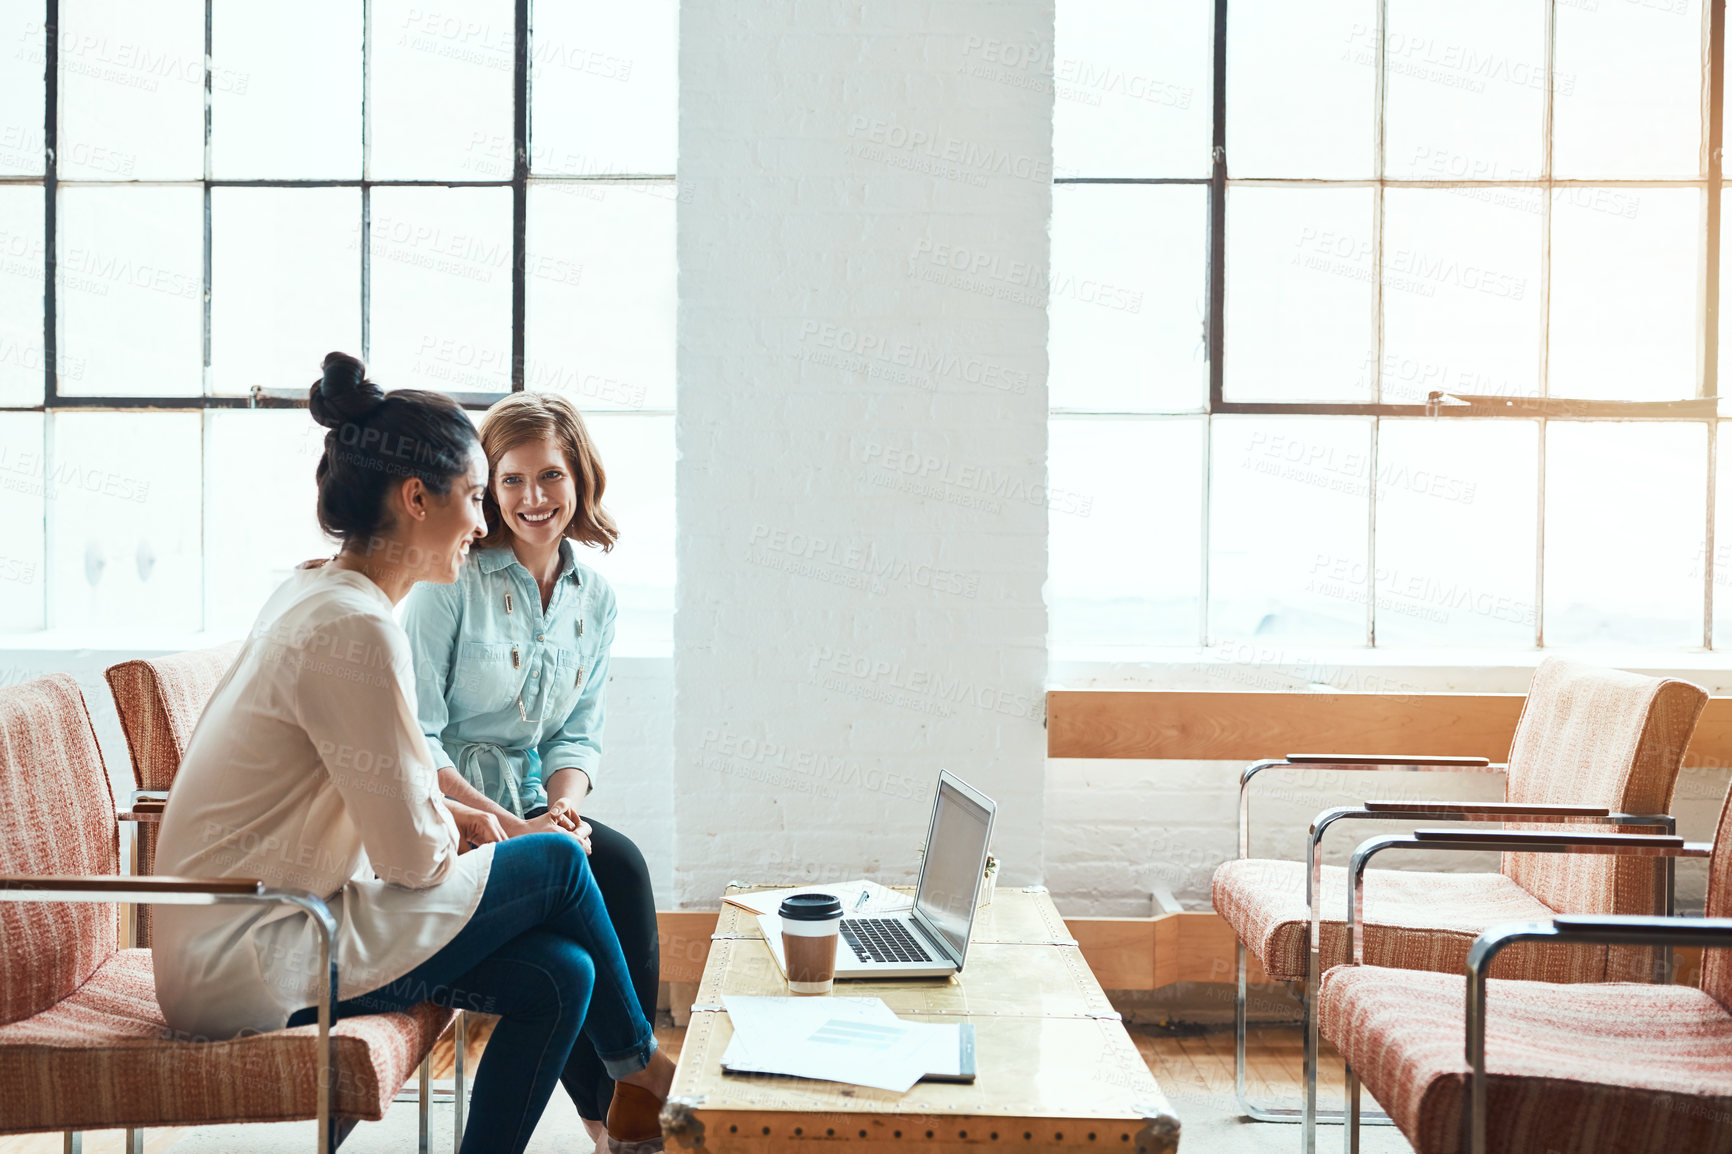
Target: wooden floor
{"x": 1187, "y": 1063}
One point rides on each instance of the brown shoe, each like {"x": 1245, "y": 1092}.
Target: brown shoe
{"x": 633, "y": 1121}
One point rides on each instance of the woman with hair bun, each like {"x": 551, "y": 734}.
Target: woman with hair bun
{"x": 309, "y": 770}
{"x": 511, "y": 664}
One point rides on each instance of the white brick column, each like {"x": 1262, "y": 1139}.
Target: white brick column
{"x": 865, "y": 195}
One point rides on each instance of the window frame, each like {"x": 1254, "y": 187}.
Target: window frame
{"x": 1702, "y": 408}
{"x": 259, "y": 397}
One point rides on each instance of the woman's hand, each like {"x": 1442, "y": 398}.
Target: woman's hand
{"x": 563, "y": 814}
{"x": 474, "y": 826}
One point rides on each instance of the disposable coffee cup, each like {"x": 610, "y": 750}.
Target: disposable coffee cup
{"x": 810, "y": 926}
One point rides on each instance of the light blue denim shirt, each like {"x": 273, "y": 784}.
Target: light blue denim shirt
{"x": 507, "y": 693}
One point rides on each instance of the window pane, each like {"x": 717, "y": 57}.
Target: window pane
{"x": 285, "y": 89}
{"x": 130, "y": 290}
{"x": 1466, "y": 89}
{"x": 21, "y": 267}
{"x": 23, "y": 576}
{"x": 441, "y": 288}
{"x": 1457, "y": 505}
{"x": 131, "y": 90}
{"x": 1625, "y": 514}
{"x": 1624, "y": 302}
{"x": 601, "y": 294}
{"x": 1288, "y": 509}
{"x": 1129, "y": 269}
{"x": 1125, "y": 568}
{"x": 21, "y": 88}
{"x": 263, "y": 501}
{"x": 1461, "y": 295}
{"x": 285, "y": 284}
{"x": 638, "y": 454}
{"x": 1132, "y": 88}
{"x": 126, "y": 520}
{"x": 1299, "y": 313}
{"x": 1301, "y": 88}
{"x": 441, "y": 82}
{"x": 604, "y": 87}
{"x": 1629, "y": 85}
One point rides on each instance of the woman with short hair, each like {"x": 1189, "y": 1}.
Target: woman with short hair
{"x": 308, "y": 769}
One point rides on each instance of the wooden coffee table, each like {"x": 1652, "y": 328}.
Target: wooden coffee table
{"x": 1055, "y": 1066}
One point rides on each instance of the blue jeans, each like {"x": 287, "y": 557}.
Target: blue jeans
{"x": 541, "y": 953}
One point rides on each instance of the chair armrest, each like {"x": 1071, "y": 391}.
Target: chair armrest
{"x": 1508, "y": 841}
{"x": 1490, "y": 809}
{"x": 183, "y": 891}
{"x": 152, "y": 889}
{"x": 1377, "y": 760}
{"x": 1547, "y": 841}
{"x": 145, "y": 809}
{"x": 1445, "y": 811}
{"x": 1405, "y": 763}
{"x": 1652, "y": 931}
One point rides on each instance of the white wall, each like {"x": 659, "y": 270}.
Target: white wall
{"x": 862, "y": 361}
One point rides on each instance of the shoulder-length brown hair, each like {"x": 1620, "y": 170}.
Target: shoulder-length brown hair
{"x": 524, "y": 417}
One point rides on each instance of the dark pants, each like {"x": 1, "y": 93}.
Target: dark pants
{"x": 541, "y": 953}
{"x": 624, "y": 879}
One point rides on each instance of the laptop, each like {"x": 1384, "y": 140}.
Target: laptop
{"x": 930, "y": 940}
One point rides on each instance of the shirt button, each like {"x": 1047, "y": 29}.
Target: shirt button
{"x": 540, "y": 637}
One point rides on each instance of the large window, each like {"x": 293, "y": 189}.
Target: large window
{"x": 1387, "y": 323}
{"x": 199, "y": 198}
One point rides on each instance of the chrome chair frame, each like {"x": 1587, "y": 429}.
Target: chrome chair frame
{"x": 1310, "y": 763}
{"x": 211, "y": 892}
{"x": 147, "y": 807}
{"x": 1308, "y": 1114}
{"x": 1585, "y": 929}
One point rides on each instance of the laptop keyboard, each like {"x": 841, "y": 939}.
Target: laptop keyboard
{"x": 882, "y": 940}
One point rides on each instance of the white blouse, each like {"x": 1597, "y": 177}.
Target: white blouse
{"x": 308, "y": 770}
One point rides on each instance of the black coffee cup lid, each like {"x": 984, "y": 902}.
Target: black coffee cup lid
{"x": 810, "y": 908}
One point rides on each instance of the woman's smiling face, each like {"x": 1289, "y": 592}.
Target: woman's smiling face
{"x": 535, "y": 491}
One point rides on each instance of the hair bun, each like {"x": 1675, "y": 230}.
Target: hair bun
{"x": 343, "y": 394}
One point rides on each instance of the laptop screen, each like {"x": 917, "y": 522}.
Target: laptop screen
{"x": 950, "y": 872}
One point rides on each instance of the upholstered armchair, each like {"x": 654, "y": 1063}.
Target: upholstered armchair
{"x": 160, "y": 700}
{"x": 1593, "y": 747}
{"x": 83, "y": 1043}
{"x": 1534, "y": 1067}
